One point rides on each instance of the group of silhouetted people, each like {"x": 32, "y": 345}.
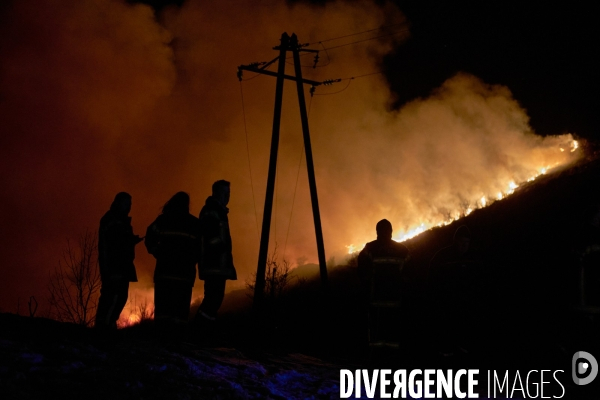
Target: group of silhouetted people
{"x": 178, "y": 241}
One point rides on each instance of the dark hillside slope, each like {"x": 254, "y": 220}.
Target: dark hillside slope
{"x": 524, "y": 315}
{"x": 526, "y": 295}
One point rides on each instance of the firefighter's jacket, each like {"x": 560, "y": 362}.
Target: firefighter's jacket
{"x": 173, "y": 239}
{"x": 116, "y": 248}
{"x": 216, "y": 260}
{"x": 379, "y": 266}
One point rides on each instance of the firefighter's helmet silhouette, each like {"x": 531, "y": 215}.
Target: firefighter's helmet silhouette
{"x": 380, "y": 266}
{"x": 116, "y": 252}
{"x": 173, "y": 239}
{"x": 216, "y": 259}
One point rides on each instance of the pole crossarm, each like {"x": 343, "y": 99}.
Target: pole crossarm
{"x": 261, "y": 67}
{"x": 254, "y": 68}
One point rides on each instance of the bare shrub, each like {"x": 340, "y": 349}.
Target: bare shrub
{"x": 277, "y": 279}
{"x": 75, "y": 283}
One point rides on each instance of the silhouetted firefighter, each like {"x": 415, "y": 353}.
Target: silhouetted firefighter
{"x": 216, "y": 261}
{"x": 380, "y": 265}
{"x": 116, "y": 252}
{"x": 453, "y": 273}
{"x": 173, "y": 239}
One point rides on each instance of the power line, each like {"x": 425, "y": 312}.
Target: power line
{"x": 296, "y": 187}
{"x": 366, "y": 40}
{"x": 249, "y": 164}
{"x": 363, "y": 75}
{"x": 350, "y": 79}
{"x": 315, "y": 65}
{"x": 339, "y": 91}
{"x": 249, "y": 79}
{"x": 358, "y": 33}
{"x": 327, "y": 54}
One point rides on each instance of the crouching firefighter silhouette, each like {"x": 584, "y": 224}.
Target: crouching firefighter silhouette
{"x": 173, "y": 239}
{"x": 380, "y": 265}
{"x": 116, "y": 252}
{"x": 216, "y": 260}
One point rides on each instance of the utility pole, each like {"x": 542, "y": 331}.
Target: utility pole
{"x": 259, "y": 286}
{"x": 309, "y": 162}
{"x": 287, "y": 44}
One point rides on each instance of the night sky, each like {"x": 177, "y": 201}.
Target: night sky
{"x": 545, "y": 54}
{"x": 100, "y": 96}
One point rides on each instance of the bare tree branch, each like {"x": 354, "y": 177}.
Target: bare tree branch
{"x": 75, "y": 283}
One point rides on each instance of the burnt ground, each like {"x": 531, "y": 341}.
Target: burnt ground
{"x": 524, "y": 316}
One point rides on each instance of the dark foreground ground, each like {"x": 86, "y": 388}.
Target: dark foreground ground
{"x": 45, "y": 359}
{"x": 42, "y": 359}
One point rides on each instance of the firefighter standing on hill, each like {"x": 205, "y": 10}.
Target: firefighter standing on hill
{"x": 379, "y": 267}
{"x": 173, "y": 239}
{"x": 380, "y": 251}
{"x": 116, "y": 252}
{"x": 216, "y": 261}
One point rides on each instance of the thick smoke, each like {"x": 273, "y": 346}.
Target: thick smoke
{"x": 97, "y": 96}
{"x": 463, "y": 147}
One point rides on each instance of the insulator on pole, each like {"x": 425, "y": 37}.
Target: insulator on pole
{"x": 328, "y": 82}
{"x": 316, "y": 60}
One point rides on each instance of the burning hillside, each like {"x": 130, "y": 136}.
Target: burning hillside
{"x": 152, "y": 106}
{"x": 565, "y": 151}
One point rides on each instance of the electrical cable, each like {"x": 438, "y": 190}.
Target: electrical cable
{"x": 346, "y": 44}
{"x": 363, "y": 75}
{"x": 357, "y": 33}
{"x": 249, "y": 164}
{"x": 365, "y": 40}
{"x": 339, "y": 91}
{"x": 255, "y": 76}
{"x": 327, "y": 54}
{"x": 296, "y": 186}
{"x": 350, "y": 79}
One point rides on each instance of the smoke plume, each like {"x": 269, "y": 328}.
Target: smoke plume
{"x": 102, "y": 96}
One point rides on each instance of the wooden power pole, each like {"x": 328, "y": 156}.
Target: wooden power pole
{"x": 287, "y": 44}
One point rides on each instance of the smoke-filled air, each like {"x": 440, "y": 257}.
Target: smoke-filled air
{"x": 102, "y": 96}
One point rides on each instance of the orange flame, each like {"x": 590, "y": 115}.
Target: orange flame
{"x": 482, "y": 202}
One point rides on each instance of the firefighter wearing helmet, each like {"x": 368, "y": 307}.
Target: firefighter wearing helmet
{"x": 380, "y": 265}
{"x": 216, "y": 260}
{"x": 381, "y": 251}
{"x": 173, "y": 239}
{"x": 116, "y": 252}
